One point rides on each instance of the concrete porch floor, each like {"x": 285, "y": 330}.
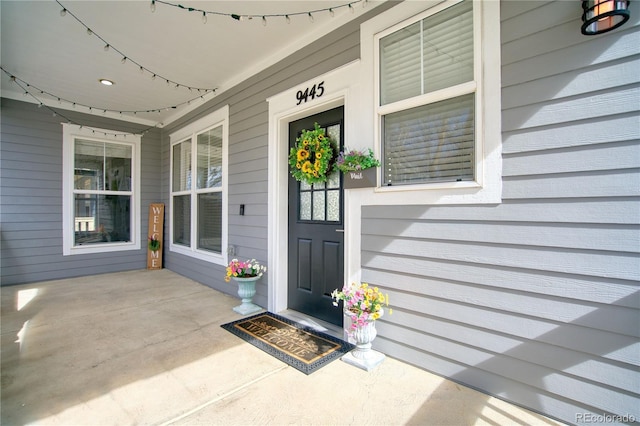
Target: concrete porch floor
{"x": 146, "y": 347}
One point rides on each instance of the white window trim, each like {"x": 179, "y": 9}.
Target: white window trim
{"x": 69, "y": 134}
{"x": 487, "y": 186}
{"x": 215, "y": 119}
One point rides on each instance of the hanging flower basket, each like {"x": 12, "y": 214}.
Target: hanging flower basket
{"x": 311, "y": 158}
{"x": 359, "y": 168}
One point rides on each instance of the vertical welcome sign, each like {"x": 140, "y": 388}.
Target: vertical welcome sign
{"x": 156, "y": 224}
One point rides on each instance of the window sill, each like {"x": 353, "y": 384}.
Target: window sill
{"x": 102, "y": 248}
{"x": 216, "y": 258}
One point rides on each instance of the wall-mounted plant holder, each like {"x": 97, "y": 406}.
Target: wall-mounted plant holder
{"x": 360, "y": 179}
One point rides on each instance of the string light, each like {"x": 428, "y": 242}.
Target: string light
{"x": 264, "y": 21}
{"x": 63, "y": 12}
{"x": 28, "y": 91}
{"x": 204, "y": 17}
{"x": 125, "y": 58}
{"x": 239, "y": 17}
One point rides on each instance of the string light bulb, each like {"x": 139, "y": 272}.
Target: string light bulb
{"x": 204, "y": 17}
{"x": 351, "y": 9}
{"x": 63, "y": 12}
{"x": 264, "y": 21}
{"x": 153, "y": 6}
{"x": 332, "y": 13}
{"x": 124, "y": 60}
{"x": 310, "y": 17}
{"x": 106, "y": 47}
{"x": 89, "y": 32}
{"x": 287, "y": 18}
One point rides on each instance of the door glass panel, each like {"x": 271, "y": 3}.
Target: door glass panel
{"x": 333, "y": 205}
{"x": 321, "y": 201}
{"x": 334, "y": 179}
{"x": 318, "y": 205}
{"x": 305, "y": 206}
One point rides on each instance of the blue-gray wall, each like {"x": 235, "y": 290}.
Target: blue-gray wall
{"x": 537, "y": 299}
{"x": 31, "y": 196}
{"x": 534, "y": 300}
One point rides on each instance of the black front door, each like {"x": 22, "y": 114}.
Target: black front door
{"x": 316, "y": 233}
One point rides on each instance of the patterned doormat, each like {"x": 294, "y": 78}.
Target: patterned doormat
{"x": 299, "y": 346}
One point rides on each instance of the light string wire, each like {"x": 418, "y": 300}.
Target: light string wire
{"x": 25, "y": 87}
{"x": 239, "y": 17}
{"x": 126, "y": 58}
{"x": 92, "y": 108}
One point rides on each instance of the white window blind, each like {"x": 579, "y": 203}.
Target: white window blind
{"x": 431, "y": 143}
{"x": 435, "y": 141}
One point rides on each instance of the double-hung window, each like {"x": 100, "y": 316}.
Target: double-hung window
{"x": 198, "y": 188}
{"x": 433, "y": 70}
{"x": 101, "y": 196}
{"x": 427, "y": 99}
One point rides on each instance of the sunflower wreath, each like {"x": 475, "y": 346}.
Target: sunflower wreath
{"x": 312, "y": 156}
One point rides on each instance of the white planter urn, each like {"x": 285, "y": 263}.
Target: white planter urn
{"x": 246, "y": 291}
{"x": 363, "y": 356}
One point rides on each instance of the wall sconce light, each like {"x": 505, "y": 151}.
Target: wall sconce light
{"x": 600, "y": 16}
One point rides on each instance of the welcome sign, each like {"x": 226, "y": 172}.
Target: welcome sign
{"x": 156, "y": 225}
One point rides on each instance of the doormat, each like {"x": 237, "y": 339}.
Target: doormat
{"x": 301, "y": 347}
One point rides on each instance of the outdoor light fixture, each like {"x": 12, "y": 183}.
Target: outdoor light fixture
{"x": 106, "y": 82}
{"x": 600, "y": 16}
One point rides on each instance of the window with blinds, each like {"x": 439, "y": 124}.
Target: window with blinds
{"x": 197, "y": 194}
{"x": 427, "y": 99}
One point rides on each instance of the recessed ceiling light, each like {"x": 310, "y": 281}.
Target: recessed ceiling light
{"x": 106, "y": 82}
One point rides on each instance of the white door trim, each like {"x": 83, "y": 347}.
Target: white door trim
{"x": 340, "y": 86}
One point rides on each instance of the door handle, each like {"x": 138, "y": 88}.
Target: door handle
{"x": 339, "y": 230}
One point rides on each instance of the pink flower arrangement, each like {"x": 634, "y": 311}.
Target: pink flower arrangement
{"x": 244, "y": 269}
{"x": 362, "y": 303}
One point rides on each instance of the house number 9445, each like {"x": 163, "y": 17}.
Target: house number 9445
{"x": 312, "y": 92}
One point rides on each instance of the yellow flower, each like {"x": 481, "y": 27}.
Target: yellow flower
{"x": 307, "y": 167}
{"x": 318, "y": 155}
{"x": 303, "y": 154}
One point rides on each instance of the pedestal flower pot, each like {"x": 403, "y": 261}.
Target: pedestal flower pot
{"x": 363, "y": 356}
{"x": 246, "y": 291}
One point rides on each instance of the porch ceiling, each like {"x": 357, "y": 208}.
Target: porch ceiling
{"x": 53, "y": 56}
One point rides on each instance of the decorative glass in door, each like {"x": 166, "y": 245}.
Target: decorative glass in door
{"x": 320, "y": 202}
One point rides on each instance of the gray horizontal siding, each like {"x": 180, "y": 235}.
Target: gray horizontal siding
{"x": 536, "y": 299}
{"x": 31, "y": 196}
{"x": 248, "y": 138}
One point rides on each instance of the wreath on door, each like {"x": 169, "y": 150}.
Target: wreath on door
{"x": 311, "y": 158}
